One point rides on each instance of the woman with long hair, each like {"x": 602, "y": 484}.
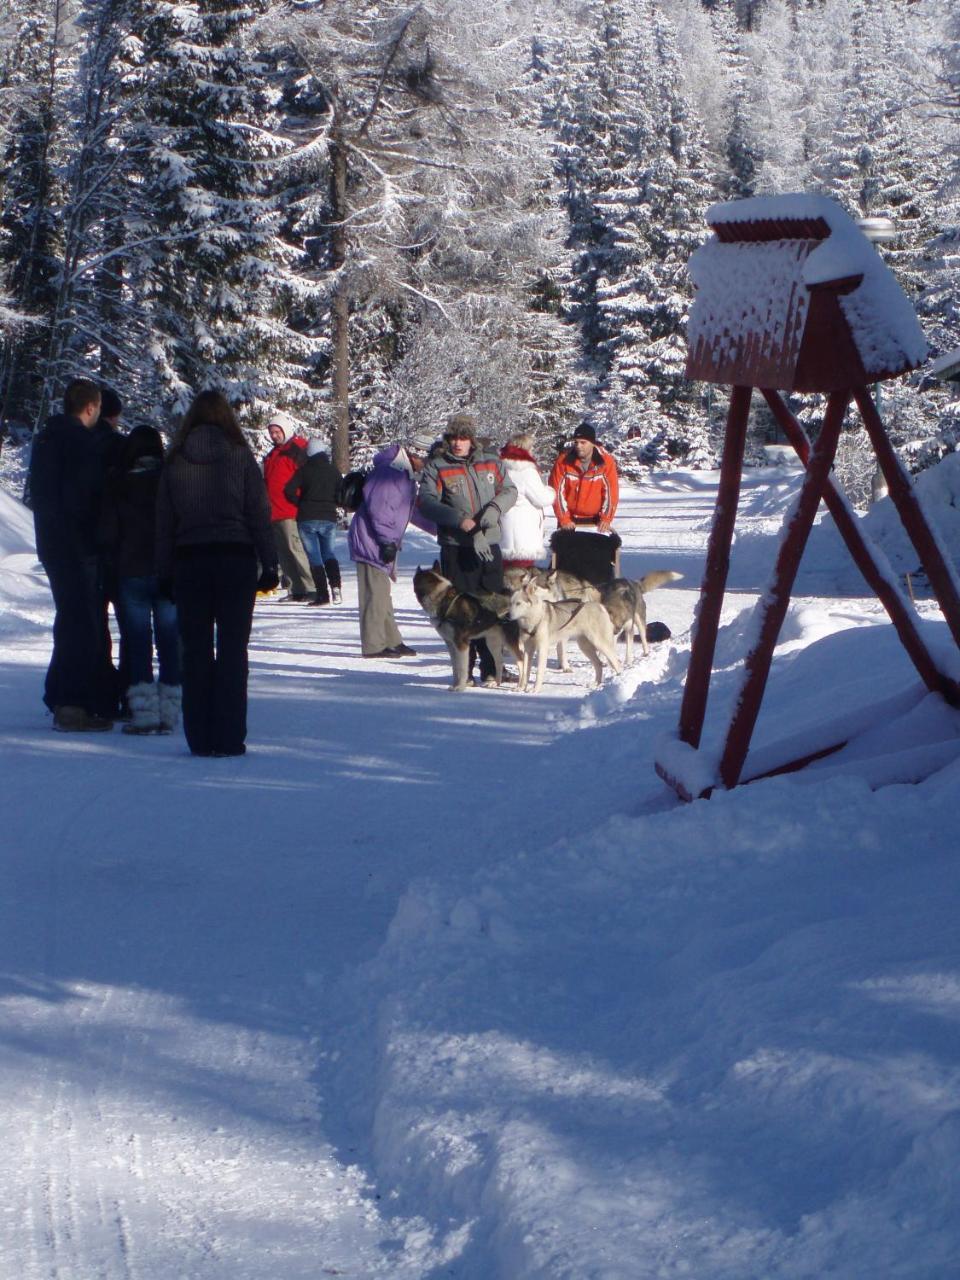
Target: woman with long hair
{"x": 213, "y": 524}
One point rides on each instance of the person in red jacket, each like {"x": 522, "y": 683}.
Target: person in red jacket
{"x": 288, "y": 453}
{"x": 585, "y": 481}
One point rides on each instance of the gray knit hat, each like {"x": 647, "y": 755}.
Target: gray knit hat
{"x": 422, "y": 441}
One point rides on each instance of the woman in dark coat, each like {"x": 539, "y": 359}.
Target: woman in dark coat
{"x": 146, "y": 615}
{"x": 213, "y": 523}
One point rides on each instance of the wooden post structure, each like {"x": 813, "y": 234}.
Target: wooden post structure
{"x": 773, "y": 313}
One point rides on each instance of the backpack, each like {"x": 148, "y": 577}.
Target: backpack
{"x": 351, "y": 490}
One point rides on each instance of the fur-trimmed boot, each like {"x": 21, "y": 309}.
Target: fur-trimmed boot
{"x": 144, "y": 704}
{"x": 169, "y": 707}
{"x": 320, "y": 582}
{"x": 332, "y": 567}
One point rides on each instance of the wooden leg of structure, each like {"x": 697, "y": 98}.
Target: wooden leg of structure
{"x": 904, "y": 498}
{"x": 707, "y": 623}
{"x": 773, "y": 608}
{"x": 900, "y": 610}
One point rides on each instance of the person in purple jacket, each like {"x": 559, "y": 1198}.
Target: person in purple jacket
{"x": 375, "y": 537}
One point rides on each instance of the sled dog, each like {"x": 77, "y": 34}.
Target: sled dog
{"x": 460, "y": 617}
{"x": 544, "y": 623}
{"x": 624, "y": 600}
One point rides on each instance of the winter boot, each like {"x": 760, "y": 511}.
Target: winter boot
{"x": 169, "y": 707}
{"x": 144, "y": 704}
{"x": 320, "y": 582}
{"x": 332, "y": 567}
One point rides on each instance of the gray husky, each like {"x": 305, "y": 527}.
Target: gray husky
{"x": 544, "y": 623}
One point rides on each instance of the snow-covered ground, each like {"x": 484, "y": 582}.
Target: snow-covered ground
{"x": 436, "y": 985}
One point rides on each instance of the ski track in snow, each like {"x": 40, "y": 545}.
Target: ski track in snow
{"x": 217, "y": 978}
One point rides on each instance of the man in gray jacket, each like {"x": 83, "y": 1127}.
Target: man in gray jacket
{"x": 464, "y": 490}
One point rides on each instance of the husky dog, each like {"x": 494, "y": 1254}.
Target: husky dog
{"x": 622, "y": 598}
{"x": 460, "y": 617}
{"x": 557, "y": 585}
{"x": 545, "y": 622}
{"x": 624, "y": 601}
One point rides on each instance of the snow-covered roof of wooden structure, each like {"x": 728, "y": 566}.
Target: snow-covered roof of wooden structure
{"x": 791, "y": 296}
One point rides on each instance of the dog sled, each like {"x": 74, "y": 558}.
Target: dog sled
{"x": 586, "y": 554}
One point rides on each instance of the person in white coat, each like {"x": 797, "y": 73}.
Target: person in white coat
{"x": 522, "y": 527}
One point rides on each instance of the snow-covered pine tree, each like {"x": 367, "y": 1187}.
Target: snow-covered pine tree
{"x": 658, "y": 220}
{"x": 432, "y": 197}
{"x": 208, "y": 276}
{"x": 90, "y": 333}
{"x": 34, "y": 75}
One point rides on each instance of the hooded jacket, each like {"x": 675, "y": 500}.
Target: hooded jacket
{"x": 278, "y": 468}
{"x": 313, "y": 489}
{"x": 523, "y": 525}
{"x": 585, "y": 496}
{"x": 453, "y": 488}
{"x": 211, "y": 492}
{"x": 388, "y": 506}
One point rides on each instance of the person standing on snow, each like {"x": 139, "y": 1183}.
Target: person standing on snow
{"x": 465, "y": 491}
{"x": 314, "y": 490}
{"x": 587, "y": 487}
{"x": 522, "y": 527}
{"x": 65, "y": 485}
{"x": 375, "y": 538}
{"x": 213, "y": 523}
{"x": 288, "y": 453}
{"x": 146, "y": 615}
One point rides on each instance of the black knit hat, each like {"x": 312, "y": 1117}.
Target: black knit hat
{"x": 585, "y": 432}
{"x": 111, "y": 406}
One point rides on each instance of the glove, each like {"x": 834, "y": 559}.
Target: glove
{"x": 388, "y": 552}
{"x": 481, "y": 546}
{"x": 269, "y": 580}
{"x": 487, "y": 517}
{"x": 165, "y": 589}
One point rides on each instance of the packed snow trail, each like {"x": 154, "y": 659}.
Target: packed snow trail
{"x": 432, "y": 985}
{"x": 171, "y": 927}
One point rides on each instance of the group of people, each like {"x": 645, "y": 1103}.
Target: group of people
{"x": 488, "y": 512}
{"x": 181, "y": 542}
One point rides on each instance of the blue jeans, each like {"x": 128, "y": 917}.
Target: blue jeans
{"x": 318, "y": 538}
{"x": 145, "y": 616}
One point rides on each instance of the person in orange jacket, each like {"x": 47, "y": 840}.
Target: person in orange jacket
{"x": 586, "y": 484}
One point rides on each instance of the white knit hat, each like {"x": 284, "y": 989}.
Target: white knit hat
{"x": 314, "y": 446}
{"x": 282, "y": 420}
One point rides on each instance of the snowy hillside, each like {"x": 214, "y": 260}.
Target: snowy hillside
{"x": 431, "y": 985}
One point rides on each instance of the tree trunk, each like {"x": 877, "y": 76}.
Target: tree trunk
{"x": 340, "y": 364}
{"x": 111, "y": 296}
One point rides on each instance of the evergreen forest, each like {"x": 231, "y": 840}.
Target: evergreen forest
{"x": 371, "y": 213}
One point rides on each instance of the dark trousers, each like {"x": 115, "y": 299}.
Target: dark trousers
{"x": 469, "y": 573}
{"x": 216, "y": 587}
{"x": 80, "y": 672}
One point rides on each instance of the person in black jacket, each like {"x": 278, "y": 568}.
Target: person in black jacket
{"x": 314, "y": 489}
{"x": 213, "y": 523}
{"x": 109, "y": 441}
{"x": 146, "y": 615}
{"x": 65, "y": 484}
